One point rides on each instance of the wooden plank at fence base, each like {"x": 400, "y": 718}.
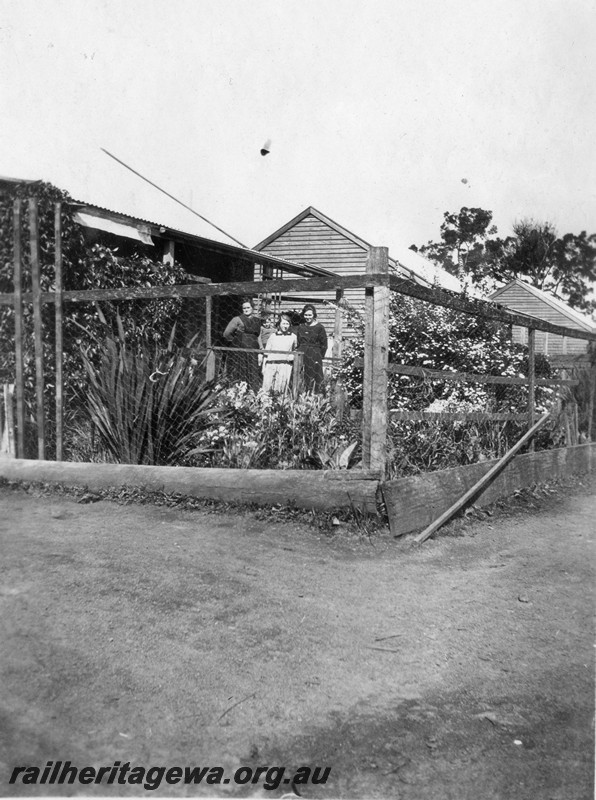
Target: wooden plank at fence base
{"x": 415, "y": 501}
{"x": 483, "y": 482}
{"x": 310, "y": 489}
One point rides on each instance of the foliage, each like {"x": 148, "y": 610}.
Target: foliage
{"x": 440, "y": 339}
{"x": 273, "y": 431}
{"x": 86, "y": 265}
{"x": 563, "y": 265}
{"x": 147, "y": 404}
{"x": 465, "y": 247}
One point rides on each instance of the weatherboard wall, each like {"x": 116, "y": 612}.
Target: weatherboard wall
{"x": 312, "y": 241}
{"x": 518, "y": 298}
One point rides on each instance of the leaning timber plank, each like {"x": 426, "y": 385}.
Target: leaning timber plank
{"x": 484, "y": 481}
{"x": 302, "y": 488}
{"x": 416, "y": 500}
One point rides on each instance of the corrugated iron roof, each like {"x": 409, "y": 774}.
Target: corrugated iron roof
{"x": 165, "y": 232}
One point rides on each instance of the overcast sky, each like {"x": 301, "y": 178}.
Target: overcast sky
{"x": 378, "y": 110}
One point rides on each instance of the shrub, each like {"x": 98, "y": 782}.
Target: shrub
{"x": 272, "y": 431}
{"x": 85, "y": 266}
{"x": 440, "y": 339}
{"x": 147, "y": 404}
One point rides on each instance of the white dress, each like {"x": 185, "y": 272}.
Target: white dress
{"x": 277, "y": 367}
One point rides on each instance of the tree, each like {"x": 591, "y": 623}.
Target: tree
{"x": 564, "y": 266}
{"x": 466, "y": 248}
{"x": 469, "y": 247}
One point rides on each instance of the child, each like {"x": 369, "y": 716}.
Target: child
{"x": 277, "y": 366}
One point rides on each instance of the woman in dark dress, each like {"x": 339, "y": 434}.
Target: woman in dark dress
{"x": 312, "y": 341}
{"x": 243, "y": 331}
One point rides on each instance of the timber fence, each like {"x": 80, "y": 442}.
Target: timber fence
{"x": 74, "y": 360}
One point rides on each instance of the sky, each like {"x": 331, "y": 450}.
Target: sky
{"x": 382, "y": 114}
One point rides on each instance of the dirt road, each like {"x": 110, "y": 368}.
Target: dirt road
{"x": 462, "y": 668}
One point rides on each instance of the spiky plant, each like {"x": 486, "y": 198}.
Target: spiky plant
{"x": 148, "y": 404}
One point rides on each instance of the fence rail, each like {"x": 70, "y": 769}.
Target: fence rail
{"x": 483, "y": 308}
{"x": 455, "y": 416}
{"x": 471, "y": 377}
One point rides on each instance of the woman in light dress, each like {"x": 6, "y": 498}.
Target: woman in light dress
{"x": 277, "y": 366}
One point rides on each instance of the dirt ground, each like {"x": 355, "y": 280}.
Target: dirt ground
{"x": 461, "y": 668}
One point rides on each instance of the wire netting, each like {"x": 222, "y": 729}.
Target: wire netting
{"x": 192, "y": 381}
{"x": 197, "y": 381}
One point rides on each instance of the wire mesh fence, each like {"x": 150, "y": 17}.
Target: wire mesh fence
{"x": 202, "y": 381}
{"x": 214, "y": 381}
{"x": 460, "y": 390}
{"x": 143, "y": 371}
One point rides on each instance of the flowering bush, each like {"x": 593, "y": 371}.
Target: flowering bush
{"x": 440, "y": 339}
{"x": 272, "y": 431}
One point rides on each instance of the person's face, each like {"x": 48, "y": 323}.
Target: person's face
{"x": 247, "y": 309}
{"x": 284, "y": 325}
{"x": 308, "y": 316}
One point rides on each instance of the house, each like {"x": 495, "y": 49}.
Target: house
{"x": 217, "y": 260}
{"x": 313, "y": 238}
{"x": 205, "y": 259}
{"x": 520, "y": 296}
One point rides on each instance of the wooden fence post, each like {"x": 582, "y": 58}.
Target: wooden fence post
{"x": 531, "y": 381}
{"x": 376, "y": 357}
{"x": 59, "y": 331}
{"x": 592, "y": 376}
{"x": 210, "y": 357}
{"x": 297, "y": 372}
{"x": 337, "y": 327}
{"x": 18, "y": 329}
{"x": 7, "y": 438}
{"x": 37, "y": 323}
